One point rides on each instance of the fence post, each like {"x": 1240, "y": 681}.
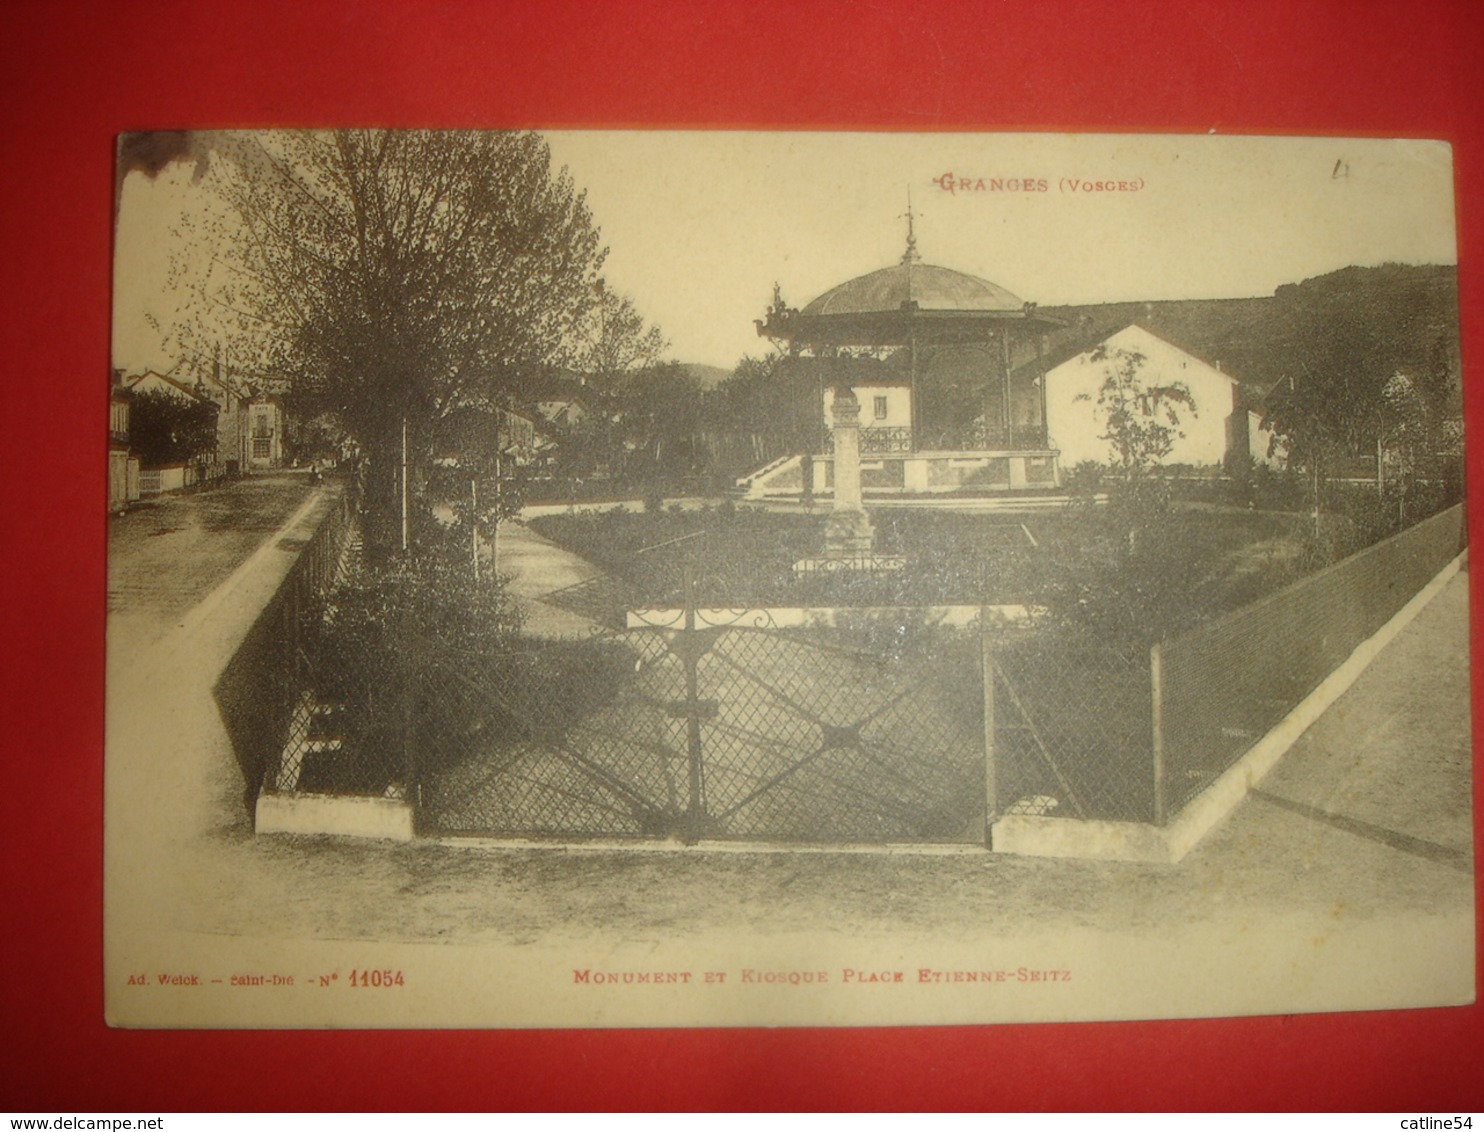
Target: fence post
{"x": 696, "y": 810}
{"x": 407, "y": 700}
{"x": 991, "y": 769}
{"x": 295, "y": 582}
{"x": 1157, "y": 696}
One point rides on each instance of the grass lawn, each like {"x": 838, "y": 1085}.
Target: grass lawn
{"x": 745, "y": 557}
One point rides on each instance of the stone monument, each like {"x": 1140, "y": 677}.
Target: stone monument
{"x": 849, "y": 537}
{"x": 847, "y": 531}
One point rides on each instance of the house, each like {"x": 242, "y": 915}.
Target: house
{"x": 477, "y": 434}
{"x": 886, "y": 413}
{"x": 264, "y": 432}
{"x": 231, "y": 423}
{"x": 519, "y": 439}
{"x": 1217, "y": 423}
{"x": 183, "y": 469}
{"x": 123, "y": 465}
{"x": 562, "y": 413}
{"x": 251, "y": 429}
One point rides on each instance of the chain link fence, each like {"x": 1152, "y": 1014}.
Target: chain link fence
{"x": 735, "y": 731}
{"x": 261, "y": 693}
{"x": 1225, "y": 684}
{"x": 708, "y": 723}
{"x": 1082, "y": 731}
{"x": 1072, "y": 727}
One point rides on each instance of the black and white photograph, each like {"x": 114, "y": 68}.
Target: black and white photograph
{"x": 656, "y": 578}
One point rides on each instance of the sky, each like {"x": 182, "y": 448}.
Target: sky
{"x": 700, "y": 225}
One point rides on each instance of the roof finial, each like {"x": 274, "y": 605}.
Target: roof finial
{"x": 910, "y": 256}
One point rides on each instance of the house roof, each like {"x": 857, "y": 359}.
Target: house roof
{"x": 1251, "y": 395}
{"x": 1131, "y": 334}
{"x": 556, "y": 409}
{"x": 172, "y": 384}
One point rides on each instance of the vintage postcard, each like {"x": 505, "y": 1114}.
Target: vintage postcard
{"x": 597, "y": 579}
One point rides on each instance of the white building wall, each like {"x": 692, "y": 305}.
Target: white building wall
{"x": 1260, "y": 444}
{"x": 1076, "y": 424}
{"x": 897, "y": 405}
{"x": 118, "y": 480}
{"x": 265, "y": 435}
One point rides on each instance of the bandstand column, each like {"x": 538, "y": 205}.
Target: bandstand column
{"x": 1009, "y": 407}
{"x": 1041, "y": 381}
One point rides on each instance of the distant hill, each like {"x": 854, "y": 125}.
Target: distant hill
{"x": 709, "y": 376}
{"x": 1217, "y": 330}
{"x": 1405, "y": 313}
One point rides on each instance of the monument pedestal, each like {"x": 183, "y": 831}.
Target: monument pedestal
{"x": 848, "y": 534}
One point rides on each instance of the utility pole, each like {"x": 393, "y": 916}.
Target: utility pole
{"x": 474, "y": 526}
{"x": 499, "y": 502}
{"x": 404, "y": 485}
{"x": 1316, "y": 500}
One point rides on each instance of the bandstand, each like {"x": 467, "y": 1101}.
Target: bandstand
{"x": 959, "y": 404}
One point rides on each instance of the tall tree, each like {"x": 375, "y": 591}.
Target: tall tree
{"x": 615, "y": 338}
{"x": 1343, "y": 338}
{"x": 169, "y": 429}
{"x": 397, "y": 277}
{"x": 662, "y": 415}
{"x": 770, "y": 406}
{"x": 1141, "y": 420}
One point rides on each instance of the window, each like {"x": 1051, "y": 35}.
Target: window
{"x": 881, "y": 408}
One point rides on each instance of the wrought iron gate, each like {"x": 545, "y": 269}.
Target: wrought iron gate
{"x": 720, "y": 727}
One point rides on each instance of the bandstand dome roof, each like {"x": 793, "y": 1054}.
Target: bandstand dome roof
{"x": 930, "y": 288}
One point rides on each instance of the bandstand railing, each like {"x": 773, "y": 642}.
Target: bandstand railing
{"x": 876, "y": 441}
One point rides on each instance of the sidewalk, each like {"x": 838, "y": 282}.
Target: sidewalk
{"x": 1391, "y": 761}
{"x": 170, "y": 773}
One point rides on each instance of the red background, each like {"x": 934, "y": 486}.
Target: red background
{"x": 76, "y": 74}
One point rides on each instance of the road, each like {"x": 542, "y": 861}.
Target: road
{"x": 165, "y": 555}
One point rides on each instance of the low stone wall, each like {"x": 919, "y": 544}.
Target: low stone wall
{"x": 916, "y": 473}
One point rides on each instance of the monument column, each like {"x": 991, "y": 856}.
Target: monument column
{"x": 848, "y": 531}
{"x": 847, "y": 431}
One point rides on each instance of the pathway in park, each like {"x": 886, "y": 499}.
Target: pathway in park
{"x": 537, "y": 568}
